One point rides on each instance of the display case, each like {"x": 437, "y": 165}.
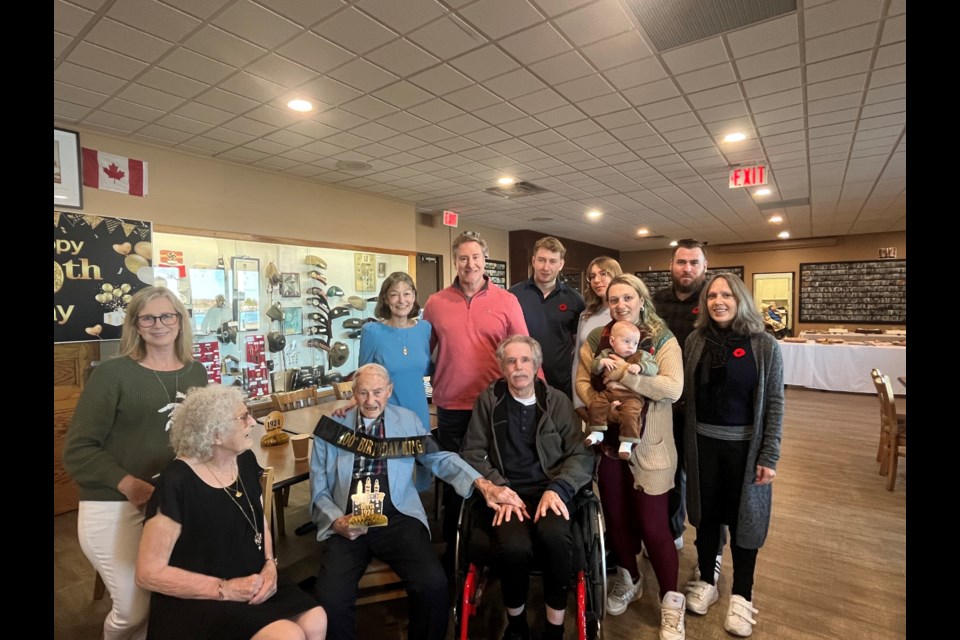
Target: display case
{"x": 270, "y": 316}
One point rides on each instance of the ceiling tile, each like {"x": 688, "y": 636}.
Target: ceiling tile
{"x": 196, "y": 66}
{"x": 838, "y": 67}
{"x": 68, "y": 18}
{"x": 497, "y": 18}
{"x": 652, "y": 92}
{"x": 889, "y": 92}
{"x": 723, "y": 112}
{"x": 130, "y": 42}
{"x": 253, "y": 22}
{"x": 764, "y": 36}
{"x": 837, "y": 87}
{"x": 151, "y": 97}
{"x": 521, "y": 126}
{"x": 567, "y": 66}
{"x": 289, "y": 139}
{"x": 329, "y": 91}
{"x": 894, "y": 30}
{"x": 154, "y": 18}
{"x": 435, "y": 110}
{"x": 339, "y": 119}
{"x": 772, "y": 83}
{"x": 88, "y": 78}
{"x": 368, "y": 107}
{"x": 313, "y": 52}
{"x": 539, "y": 101}
{"x": 431, "y": 133}
{"x": 498, "y": 113}
{"x": 713, "y": 97}
{"x": 560, "y": 116}
{"x": 252, "y": 87}
{"x": 226, "y": 101}
{"x": 402, "y": 58}
{"x": 635, "y": 73}
{"x": 228, "y": 136}
{"x": 835, "y": 103}
{"x": 603, "y": 105}
{"x": 704, "y": 53}
{"x": 302, "y": 13}
{"x": 363, "y": 75}
{"x": 472, "y": 97}
{"x": 273, "y": 116}
{"x": 203, "y": 113}
{"x": 835, "y": 16}
{"x": 776, "y": 100}
{"x": 355, "y": 31}
{"x": 841, "y": 43}
{"x": 891, "y": 54}
{"x": 403, "y": 121}
{"x": 769, "y": 62}
{"x": 617, "y": 51}
{"x": 202, "y": 9}
{"x": 446, "y": 38}
{"x": 404, "y": 16}
{"x": 60, "y": 44}
{"x": 484, "y": 63}
{"x": 441, "y": 80}
{"x": 536, "y": 43}
{"x": 112, "y": 121}
{"x": 888, "y": 75}
{"x": 708, "y": 78}
{"x": 516, "y": 83}
{"x": 584, "y": 88}
{"x": 280, "y": 70}
{"x": 403, "y": 94}
{"x": 594, "y": 22}
{"x": 77, "y": 95}
{"x": 164, "y": 133}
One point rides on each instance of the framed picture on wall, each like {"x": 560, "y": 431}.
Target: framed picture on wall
{"x": 292, "y": 321}
{"x": 67, "y": 173}
{"x": 290, "y": 285}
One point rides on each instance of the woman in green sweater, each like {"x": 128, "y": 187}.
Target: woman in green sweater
{"x": 118, "y": 442}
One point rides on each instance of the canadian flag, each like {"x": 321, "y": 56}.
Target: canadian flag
{"x": 114, "y": 173}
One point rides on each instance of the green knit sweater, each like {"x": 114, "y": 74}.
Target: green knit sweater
{"x": 119, "y": 426}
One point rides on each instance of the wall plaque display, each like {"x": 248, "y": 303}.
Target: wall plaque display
{"x": 67, "y": 187}
{"x": 364, "y": 266}
{"x": 98, "y": 264}
{"x": 656, "y": 280}
{"x": 572, "y": 280}
{"x": 497, "y": 270}
{"x": 867, "y": 291}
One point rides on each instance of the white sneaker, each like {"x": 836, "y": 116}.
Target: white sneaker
{"x": 739, "y": 620}
{"x": 623, "y": 592}
{"x": 595, "y": 437}
{"x": 624, "y": 451}
{"x": 716, "y": 570}
{"x": 672, "y": 611}
{"x": 700, "y": 595}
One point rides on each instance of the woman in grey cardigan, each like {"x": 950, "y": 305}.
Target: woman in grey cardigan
{"x": 733, "y": 387}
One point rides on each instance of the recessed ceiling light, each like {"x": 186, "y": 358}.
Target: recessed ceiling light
{"x": 300, "y": 105}
{"x": 762, "y": 191}
{"x": 593, "y": 214}
{"x": 776, "y": 218}
{"x": 642, "y": 231}
{"x": 59, "y": 197}
{"x": 506, "y": 181}
{"x": 674, "y": 243}
{"x": 735, "y": 137}
{"x": 783, "y": 234}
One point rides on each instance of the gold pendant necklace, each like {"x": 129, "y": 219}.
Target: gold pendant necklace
{"x": 257, "y": 535}
{"x": 176, "y": 385}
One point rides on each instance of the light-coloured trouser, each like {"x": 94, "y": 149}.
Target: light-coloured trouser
{"x": 109, "y": 534}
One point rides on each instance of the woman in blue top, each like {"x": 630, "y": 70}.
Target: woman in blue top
{"x": 401, "y": 343}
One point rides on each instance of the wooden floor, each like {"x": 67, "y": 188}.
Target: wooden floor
{"x": 834, "y": 565}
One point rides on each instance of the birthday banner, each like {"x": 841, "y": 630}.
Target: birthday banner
{"x": 98, "y": 264}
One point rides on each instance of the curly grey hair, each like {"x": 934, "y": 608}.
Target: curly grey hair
{"x": 205, "y": 414}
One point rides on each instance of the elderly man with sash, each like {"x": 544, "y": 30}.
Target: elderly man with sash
{"x": 365, "y": 505}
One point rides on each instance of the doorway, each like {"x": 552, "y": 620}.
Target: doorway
{"x": 429, "y": 276}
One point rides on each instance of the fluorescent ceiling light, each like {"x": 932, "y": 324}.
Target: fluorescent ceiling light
{"x": 735, "y": 137}
{"x": 300, "y": 105}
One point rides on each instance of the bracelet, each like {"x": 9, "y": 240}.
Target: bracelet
{"x": 274, "y": 559}
{"x": 220, "y": 589}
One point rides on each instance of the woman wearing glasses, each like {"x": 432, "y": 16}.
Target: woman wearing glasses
{"x": 207, "y": 553}
{"x": 600, "y": 272}
{"x": 118, "y": 442}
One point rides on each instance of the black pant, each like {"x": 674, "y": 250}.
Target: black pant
{"x": 451, "y": 426}
{"x": 678, "y": 494}
{"x": 404, "y": 544}
{"x": 722, "y": 466}
{"x": 513, "y": 546}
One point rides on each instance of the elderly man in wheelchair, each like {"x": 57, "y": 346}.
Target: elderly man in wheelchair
{"x": 524, "y": 434}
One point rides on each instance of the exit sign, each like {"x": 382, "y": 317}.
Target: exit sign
{"x": 748, "y": 176}
{"x": 450, "y": 218}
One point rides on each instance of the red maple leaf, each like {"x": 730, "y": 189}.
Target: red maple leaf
{"x": 113, "y": 171}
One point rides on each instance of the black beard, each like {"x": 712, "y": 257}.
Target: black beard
{"x": 693, "y": 286}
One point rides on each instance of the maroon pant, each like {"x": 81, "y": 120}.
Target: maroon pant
{"x": 631, "y": 517}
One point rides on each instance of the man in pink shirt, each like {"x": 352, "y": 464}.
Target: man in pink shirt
{"x": 469, "y": 318}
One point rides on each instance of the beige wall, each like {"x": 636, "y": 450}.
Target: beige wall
{"x": 203, "y": 193}
{"x": 859, "y": 247}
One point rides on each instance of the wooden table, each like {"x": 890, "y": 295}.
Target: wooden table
{"x": 305, "y": 420}
{"x": 286, "y": 471}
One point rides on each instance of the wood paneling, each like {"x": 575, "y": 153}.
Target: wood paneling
{"x": 579, "y": 254}
{"x": 71, "y": 366}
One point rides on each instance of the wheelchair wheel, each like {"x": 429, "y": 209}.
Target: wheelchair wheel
{"x": 594, "y": 583}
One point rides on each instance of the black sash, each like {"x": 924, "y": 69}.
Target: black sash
{"x": 379, "y": 448}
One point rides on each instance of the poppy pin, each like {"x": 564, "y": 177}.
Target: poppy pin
{"x": 563, "y": 306}
{"x": 696, "y": 310}
{"x": 739, "y": 353}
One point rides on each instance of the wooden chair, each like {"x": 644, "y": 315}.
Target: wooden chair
{"x": 343, "y": 390}
{"x": 379, "y": 583}
{"x": 291, "y": 400}
{"x": 266, "y": 488}
{"x": 894, "y": 433}
{"x": 901, "y": 418}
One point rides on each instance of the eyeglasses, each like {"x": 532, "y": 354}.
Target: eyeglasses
{"x": 243, "y": 417}
{"x": 598, "y": 275}
{"x": 166, "y": 319}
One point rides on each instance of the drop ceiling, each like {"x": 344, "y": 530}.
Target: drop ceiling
{"x": 615, "y": 105}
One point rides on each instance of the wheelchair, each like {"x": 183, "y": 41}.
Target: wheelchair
{"x": 472, "y": 564}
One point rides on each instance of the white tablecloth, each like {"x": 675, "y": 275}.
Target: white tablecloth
{"x": 842, "y": 367}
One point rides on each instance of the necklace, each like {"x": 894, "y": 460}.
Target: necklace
{"x": 401, "y": 337}
{"x": 176, "y": 385}
{"x": 257, "y": 536}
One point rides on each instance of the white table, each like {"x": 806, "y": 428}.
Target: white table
{"x": 842, "y": 367}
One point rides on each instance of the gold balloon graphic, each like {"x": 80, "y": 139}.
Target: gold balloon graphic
{"x": 57, "y": 277}
{"x": 134, "y": 262}
{"x": 144, "y": 250}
